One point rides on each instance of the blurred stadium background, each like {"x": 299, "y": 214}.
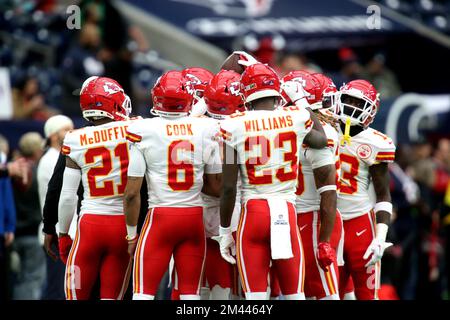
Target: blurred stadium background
{"x": 402, "y": 46}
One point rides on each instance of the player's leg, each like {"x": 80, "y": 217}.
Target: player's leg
{"x": 253, "y": 249}
{"x": 189, "y": 254}
{"x": 219, "y": 273}
{"x": 274, "y": 285}
{"x": 361, "y": 231}
{"x": 83, "y": 261}
{"x": 291, "y": 272}
{"x": 319, "y": 284}
{"x": 115, "y": 270}
{"x": 153, "y": 252}
{"x": 346, "y": 287}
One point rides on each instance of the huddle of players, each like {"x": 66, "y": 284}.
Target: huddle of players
{"x": 255, "y": 183}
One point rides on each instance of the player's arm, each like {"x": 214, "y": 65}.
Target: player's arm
{"x": 380, "y": 178}
{"x": 383, "y": 209}
{"x": 132, "y": 195}
{"x": 212, "y": 184}
{"x": 325, "y": 178}
{"x": 230, "y": 169}
{"x": 212, "y": 178}
{"x": 324, "y": 171}
{"x": 316, "y": 138}
{"x": 67, "y": 205}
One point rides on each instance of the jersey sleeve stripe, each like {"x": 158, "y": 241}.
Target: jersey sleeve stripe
{"x": 330, "y": 143}
{"x": 133, "y": 137}
{"x": 385, "y": 153}
{"x": 308, "y": 123}
{"x": 65, "y": 150}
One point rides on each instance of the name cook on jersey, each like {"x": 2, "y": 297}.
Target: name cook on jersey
{"x": 121, "y": 132}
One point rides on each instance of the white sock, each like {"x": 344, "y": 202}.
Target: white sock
{"x": 256, "y": 296}
{"x": 141, "y": 296}
{"x": 205, "y": 293}
{"x": 219, "y": 293}
{"x": 331, "y": 297}
{"x": 295, "y": 296}
{"x": 189, "y": 297}
{"x": 350, "y": 296}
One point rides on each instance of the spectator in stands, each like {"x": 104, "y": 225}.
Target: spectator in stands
{"x": 351, "y": 67}
{"x": 29, "y": 280}
{"x": 382, "y": 77}
{"x": 291, "y": 61}
{"x": 7, "y": 221}
{"x": 28, "y": 102}
{"x": 81, "y": 61}
{"x": 55, "y": 130}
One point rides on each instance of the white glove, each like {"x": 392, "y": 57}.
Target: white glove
{"x": 199, "y": 108}
{"x": 294, "y": 90}
{"x": 246, "y": 59}
{"x": 226, "y": 242}
{"x": 378, "y": 245}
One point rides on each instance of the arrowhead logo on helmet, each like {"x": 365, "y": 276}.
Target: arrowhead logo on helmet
{"x": 223, "y": 96}
{"x": 170, "y": 95}
{"x": 102, "y": 97}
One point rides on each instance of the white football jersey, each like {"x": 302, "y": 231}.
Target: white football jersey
{"x": 102, "y": 154}
{"x": 268, "y": 145}
{"x": 211, "y": 205}
{"x": 367, "y": 148}
{"x": 308, "y": 199}
{"x": 177, "y": 152}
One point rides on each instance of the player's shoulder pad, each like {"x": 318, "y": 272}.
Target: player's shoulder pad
{"x": 71, "y": 140}
{"x": 382, "y": 146}
{"x": 136, "y": 129}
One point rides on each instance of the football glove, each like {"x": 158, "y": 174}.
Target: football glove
{"x": 227, "y": 244}
{"x": 65, "y": 243}
{"x": 245, "y": 59}
{"x": 295, "y": 92}
{"x": 376, "y": 249}
{"x": 325, "y": 255}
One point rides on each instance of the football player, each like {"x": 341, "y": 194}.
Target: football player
{"x": 98, "y": 157}
{"x": 364, "y": 156}
{"x": 319, "y": 222}
{"x": 263, "y": 146}
{"x": 222, "y": 97}
{"x": 179, "y": 157}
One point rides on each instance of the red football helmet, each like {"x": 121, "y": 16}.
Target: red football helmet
{"x": 170, "y": 95}
{"x": 359, "y": 101}
{"x": 309, "y": 83}
{"x": 104, "y": 97}
{"x": 222, "y": 95}
{"x": 259, "y": 81}
{"x": 328, "y": 93}
{"x": 196, "y": 80}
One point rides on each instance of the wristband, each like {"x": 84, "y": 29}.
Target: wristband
{"x": 383, "y": 206}
{"x": 131, "y": 232}
{"x": 224, "y": 231}
{"x": 381, "y": 230}
{"x": 329, "y": 187}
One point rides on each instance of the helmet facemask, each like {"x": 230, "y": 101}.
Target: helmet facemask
{"x": 358, "y": 108}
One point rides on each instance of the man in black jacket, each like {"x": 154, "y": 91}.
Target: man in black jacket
{"x": 50, "y": 212}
